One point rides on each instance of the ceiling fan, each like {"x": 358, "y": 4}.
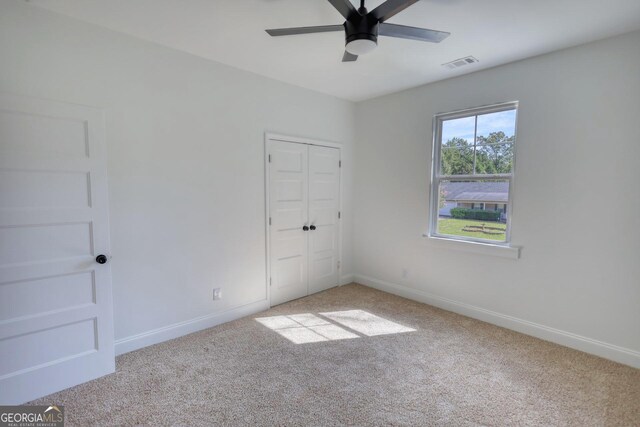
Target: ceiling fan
{"x": 362, "y": 27}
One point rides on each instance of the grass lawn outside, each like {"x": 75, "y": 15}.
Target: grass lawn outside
{"x": 472, "y": 228}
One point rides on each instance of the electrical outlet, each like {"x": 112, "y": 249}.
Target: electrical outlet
{"x": 405, "y": 273}
{"x": 217, "y": 293}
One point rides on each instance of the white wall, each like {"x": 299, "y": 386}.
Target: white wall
{"x": 185, "y": 166}
{"x": 578, "y": 127}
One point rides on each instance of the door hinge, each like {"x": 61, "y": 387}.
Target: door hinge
{"x": 339, "y": 215}
{"x": 269, "y": 220}
{"x": 269, "y": 158}
{"x": 338, "y": 265}
{"x": 339, "y": 163}
{"x": 269, "y": 281}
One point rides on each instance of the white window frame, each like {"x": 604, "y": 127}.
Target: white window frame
{"x": 437, "y": 177}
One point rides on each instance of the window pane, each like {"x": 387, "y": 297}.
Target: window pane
{"x": 496, "y": 127}
{"x": 494, "y": 158}
{"x": 494, "y": 142}
{"x": 458, "y": 132}
{"x": 456, "y": 161}
{"x": 456, "y": 213}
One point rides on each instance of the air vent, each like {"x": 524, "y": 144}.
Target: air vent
{"x": 460, "y": 62}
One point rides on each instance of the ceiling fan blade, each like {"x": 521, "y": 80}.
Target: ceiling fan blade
{"x": 345, "y": 8}
{"x": 389, "y": 8}
{"x": 304, "y": 30}
{"x": 413, "y": 33}
{"x": 349, "y": 57}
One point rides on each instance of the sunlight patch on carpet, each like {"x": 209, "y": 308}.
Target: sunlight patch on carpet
{"x": 305, "y": 328}
{"x": 366, "y": 323}
{"x": 308, "y": 328}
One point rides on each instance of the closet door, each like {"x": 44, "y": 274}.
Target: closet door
{"x": 288, "y": 207}
{"x": 324, "y": 206}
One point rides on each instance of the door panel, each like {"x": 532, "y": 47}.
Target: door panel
{"x": 288, "y": 183}
{"x": 39, "y": 133}
{"x": 43, "y": 243}
{"x": 42, "y": 189}
{"x": 56, "y": 327}
{"x": 58, "y": 342}
{"x": 47, "y": 294}
{"x": 324, "y": 205}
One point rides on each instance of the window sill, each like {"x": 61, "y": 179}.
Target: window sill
{"x": 503, "y": 251}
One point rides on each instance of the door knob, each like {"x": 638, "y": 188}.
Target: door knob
{"x": 102, "y": 259}
{"x": 305, "y": 228}
{"x": 313, "y": 227}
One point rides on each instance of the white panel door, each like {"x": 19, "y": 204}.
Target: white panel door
{"x": 324, "y": 207}
{"x": 288, "y": 207}
{"x": 56, "y": 327}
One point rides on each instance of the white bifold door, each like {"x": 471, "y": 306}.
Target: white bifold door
{"x": 304, "y": 215}
{"x": 56, "y": 325}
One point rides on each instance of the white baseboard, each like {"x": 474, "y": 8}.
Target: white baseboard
{"x": 346, "y": 279}
{"x": 568, "y": 339}
{"x": 155, "y": 336}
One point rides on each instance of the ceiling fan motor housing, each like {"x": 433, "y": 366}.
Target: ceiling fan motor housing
{"x": 361, "y": 28}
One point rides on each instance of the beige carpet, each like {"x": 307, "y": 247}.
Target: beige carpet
{"x": 353, "y": 368}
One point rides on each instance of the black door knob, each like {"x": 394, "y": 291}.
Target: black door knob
{"x": 305, "y": 228}
{"x": 313, "y": 227}
{"x": 102, "y": 259}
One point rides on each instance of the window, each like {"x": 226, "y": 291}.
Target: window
{"x": 473, "y": 158}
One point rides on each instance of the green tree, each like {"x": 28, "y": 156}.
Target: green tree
{"x": 457, "y": 157}
{"x": 493, "y": 155}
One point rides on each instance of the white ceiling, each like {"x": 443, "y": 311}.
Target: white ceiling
{"x": 232, "y": 32}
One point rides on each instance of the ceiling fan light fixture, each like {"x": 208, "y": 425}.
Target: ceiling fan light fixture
{"x": 362, "y": 28}
{"x": 360, "y": 46}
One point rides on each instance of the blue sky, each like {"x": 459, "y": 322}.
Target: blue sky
{"x": 504, "y": 121}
